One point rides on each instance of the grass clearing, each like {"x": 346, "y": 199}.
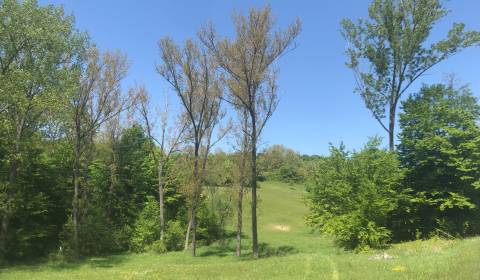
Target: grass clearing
{"x": 289, "y": 251}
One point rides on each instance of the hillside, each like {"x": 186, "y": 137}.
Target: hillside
{"x": 289, "y": 251}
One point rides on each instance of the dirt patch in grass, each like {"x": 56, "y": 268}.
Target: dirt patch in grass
{"x": 277, "y": 227}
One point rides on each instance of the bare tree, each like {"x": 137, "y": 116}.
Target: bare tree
{"x": 97, "y": 100}
{"x": 169, "y": 142}
{"x": 243, "y": 144}
{"x": 248, "y": 61}
{"x": 113, "y": 131}
{"x": 192, "y": 75}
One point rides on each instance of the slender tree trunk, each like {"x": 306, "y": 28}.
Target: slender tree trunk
{"x": 113, "y": 180}
{"x": 196, "y": 195}
{"x": 391, "y": 128}
{"x": 254, "y": 186}
{"x": 76, "y": 193}
{"x": 243, "y": 166}
{"x": 161, "y": 199}
{"x": 187, "y": 235}
{"x": 113, "y": 170}
{"x": 192, "y": 225}
{"x": 239, "y": 219}
{"x": 194, "y": 232}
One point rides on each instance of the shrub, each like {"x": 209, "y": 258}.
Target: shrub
{"x": 96, "y": 235}
{"x": 209, "y": 227}
{"x": 174, "y": 236}
{"x": 158, "y": 246}
{"x": 353, "y": 194}
{"x": 147, "y": 226}
{"x": 146, "y": 234}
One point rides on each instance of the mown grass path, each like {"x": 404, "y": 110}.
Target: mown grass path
{"x": 289, "y": 250}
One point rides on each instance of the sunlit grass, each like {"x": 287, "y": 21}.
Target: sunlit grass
{"x": 289, "y": 250}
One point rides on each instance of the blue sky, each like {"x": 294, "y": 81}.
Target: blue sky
{"x": 317, "y": 102}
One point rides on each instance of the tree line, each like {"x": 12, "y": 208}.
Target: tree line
{"x": 88, "y": 167}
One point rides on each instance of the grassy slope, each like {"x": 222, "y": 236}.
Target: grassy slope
{"x": 290, "y": 251}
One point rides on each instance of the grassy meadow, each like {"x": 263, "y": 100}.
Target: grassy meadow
{"x": 289, "y": 251}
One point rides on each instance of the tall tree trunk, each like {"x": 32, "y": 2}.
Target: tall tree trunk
{"x": 160, "y": 199}
{"x": 242, "y": 181}
{"x": 113, "y": 179}
{"x": 193, "y": 211}
{"x": 187, "y": 235}
{"x": 391, "y": 128}
{"x": 239, "y": 219}
{"x": 76, "y": 193}
{"x": 194, "y": 231}
{"x": 254, "y": 186}
{"x": 196, "y": 196}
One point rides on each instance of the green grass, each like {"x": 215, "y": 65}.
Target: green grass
{"x": 289, "y": 251}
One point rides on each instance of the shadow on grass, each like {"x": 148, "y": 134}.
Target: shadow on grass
{"x": 218, "y": 251}
{"x": 265, "y": 250}
{"x": 93, "y": 262}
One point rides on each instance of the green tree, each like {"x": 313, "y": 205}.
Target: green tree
{"x": 280, "y": 163}
{"x": 389, "y": 52}
{"x": 41, "y": 206}
{"x": 39, "y": 47}
{"x": 353, "y": 195}
{"x": 440, "y": 147}
{"x": 136, "y": 171}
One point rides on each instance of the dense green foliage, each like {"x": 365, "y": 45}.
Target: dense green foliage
{"x": 55, "y": 114}
{"x": 440, "y": 148}
{"x": 35, "y": 45}
{"x": 353, "y": 195}
{"x": 282, "y": 164}
{"x": 294, "y": 254}
{"x": 431, "y": 188}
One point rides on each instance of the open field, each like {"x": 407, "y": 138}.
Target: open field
{"x": 289, "y": 251}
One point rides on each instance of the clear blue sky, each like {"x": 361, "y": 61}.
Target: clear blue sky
{"x": 317, "y": 103}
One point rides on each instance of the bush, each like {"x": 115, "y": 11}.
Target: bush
{"x": 353, "y": 194}
{"x": 214, "y": 214}
{"x": 158, "y": 247}
{"x": 174, "y": 236}
{"x": 147, "y": 226}
{"x": 209, "y": 226}
{"x": 146, "y": 234}
{"x": 96, "y": 235}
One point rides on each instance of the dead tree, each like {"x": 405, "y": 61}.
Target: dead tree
{"x": 248, "y": 61}
{"x": 191, "y": 73}
{"x": 97, "y": 100}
